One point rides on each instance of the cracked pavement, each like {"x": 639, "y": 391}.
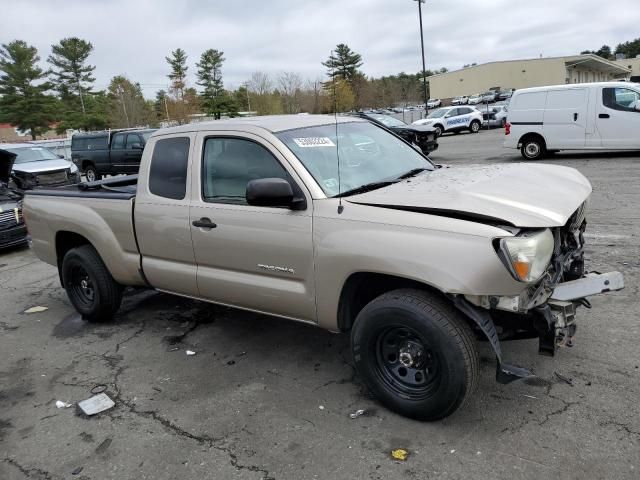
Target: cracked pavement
{"x": 247, "y": 405}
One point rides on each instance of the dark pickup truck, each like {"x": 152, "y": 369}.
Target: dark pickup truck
{"x": 109, "y": 153}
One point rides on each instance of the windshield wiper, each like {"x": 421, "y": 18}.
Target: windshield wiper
{"x": 366, "y": 188}
{"x": 413, "y": 173}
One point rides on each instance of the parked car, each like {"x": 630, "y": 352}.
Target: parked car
{"x": 453, "y": 119}
{"x": 13, "y": 231}
{"x": 591, "y": 116}
{"x": 422, "y": 136}
{"x": 463, "y": 100}
{"x": 475, "y": 99}
{"x": 489, "y": 97}
{"x": 505, "y": 94}
{"x": 494, "y": 115}
{"x": 434, "y": 103}
{"x": 36, "y": 166}
{"x": 109, "y": 153}
{"x": 414, "y": 261}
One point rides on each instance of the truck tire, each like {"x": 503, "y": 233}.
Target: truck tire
{"x": 533, "y": 148}
{"x": 89, "y": 285}
{"x": 91, "y": 173}
{"x": 475, "y": 126}
{"x": 415, "y": 353}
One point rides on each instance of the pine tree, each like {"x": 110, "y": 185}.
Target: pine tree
{"x": 215, "y": 100}
{"x": 71, "y": 74}
{"x": 178, "y": 76}
{"x": 23, "y": 101}
{"x": 343, "y": 63}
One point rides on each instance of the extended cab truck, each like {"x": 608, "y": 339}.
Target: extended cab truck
{"x": 110, "y": 152}
{"x": 589, "y": 116}
{"x": 264, "y": 215}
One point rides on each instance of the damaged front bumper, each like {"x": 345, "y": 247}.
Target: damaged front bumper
{"x": 552, "y": 315}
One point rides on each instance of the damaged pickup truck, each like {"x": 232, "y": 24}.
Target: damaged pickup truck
{"x": 343, "y": 225}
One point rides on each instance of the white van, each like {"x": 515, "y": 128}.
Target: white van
{"x": 594, "y": 116}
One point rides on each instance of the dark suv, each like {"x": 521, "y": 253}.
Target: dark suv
{"x": 108, "y": 153}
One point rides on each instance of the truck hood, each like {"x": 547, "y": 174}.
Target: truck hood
{"x": 521, "y": 195}
{"x": 42, "y": 166}
{"x": 6, "y": 164}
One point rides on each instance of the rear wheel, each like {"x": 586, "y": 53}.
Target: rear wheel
{"x": 89, "y": 285}
{"x": 92, "y": 174}
{"x": 475, "y": 126}
{"x": 415, "y": 353}
{"x": 533, "y": 148}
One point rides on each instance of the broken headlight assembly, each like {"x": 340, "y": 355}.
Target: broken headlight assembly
{"x": 527, "y": 255}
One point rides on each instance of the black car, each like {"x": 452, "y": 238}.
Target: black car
{"x": 13, "y": 230}
{"x": 109, "y": 153}
{"x": 420, "y": 135}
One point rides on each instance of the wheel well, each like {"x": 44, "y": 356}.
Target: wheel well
{"x": 87, "y": 163}
{"x": 360, "y": 288}
{"x": 531, "y": 136}
{"x": 65, "y": 241}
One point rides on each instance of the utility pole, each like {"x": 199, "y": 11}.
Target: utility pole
{"x": 424, "y": 67}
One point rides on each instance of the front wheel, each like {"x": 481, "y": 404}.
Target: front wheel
{"x": 92, "y": 173}
{"x": 415, "y": 354}
{"x": 438, "y": 129}
{"x": 89, "y": 285}
{"x": 475, "y": 126}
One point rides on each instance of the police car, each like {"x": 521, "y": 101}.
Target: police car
{"x": 453, "y": 119}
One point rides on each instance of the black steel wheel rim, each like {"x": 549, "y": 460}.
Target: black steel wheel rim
{"x": 82, "y": 286}
{"x": 406, "y": 362}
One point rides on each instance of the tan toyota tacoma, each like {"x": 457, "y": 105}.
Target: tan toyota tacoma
{"x": 343, "y": 225}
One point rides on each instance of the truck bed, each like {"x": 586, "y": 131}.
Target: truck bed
{"x": 116, "y": 188}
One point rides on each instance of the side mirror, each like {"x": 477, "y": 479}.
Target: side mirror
{"x": 60, "y": 156}
{"x": 270, "y": 192}
{"x": 137, "y": 146}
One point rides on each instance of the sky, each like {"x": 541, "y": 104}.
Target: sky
{"x": 133, "y": 37}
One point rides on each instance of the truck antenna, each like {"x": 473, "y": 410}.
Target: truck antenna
{"x": 335, "y": 116}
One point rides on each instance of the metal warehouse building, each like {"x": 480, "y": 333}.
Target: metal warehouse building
{"x": 535, "y": 72}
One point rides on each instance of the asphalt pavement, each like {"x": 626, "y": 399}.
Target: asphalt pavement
{"x": 266, "y": 398}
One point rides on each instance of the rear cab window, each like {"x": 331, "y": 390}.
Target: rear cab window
{"x": 168, "y": 171}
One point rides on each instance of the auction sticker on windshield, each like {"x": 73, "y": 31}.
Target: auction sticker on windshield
{"x": 312, "y": 142}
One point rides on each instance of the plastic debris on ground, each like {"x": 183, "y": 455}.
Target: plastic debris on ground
{"x": 96, "y": 404}
{"x": 61, "y": 404}
{"x": 399, "y": 454}
{"x": 36, "y": 309}
{"x": 190, "y": 352}
{"x": 529, "y": 396}
{"x": 357, "y": 413}
{"x": 321, "y": 407}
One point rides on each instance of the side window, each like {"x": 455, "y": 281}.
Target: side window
{"x": 464, "y": 111}
{"x": 132, "y": 139}
{"x": 623, "y": 99}
{"x": 168, "y": 173}
{"x": 118, "y": 142}
{"x": 230, "y": 163}
{"x": 452, "y": 113}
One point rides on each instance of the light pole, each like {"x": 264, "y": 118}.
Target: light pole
{"x": 424, "y": 67}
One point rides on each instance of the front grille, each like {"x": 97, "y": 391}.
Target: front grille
{"x": 11, "y": 218}
{"x": 53, "y": 178}
{"x": 575, "y": 221}
{"x": 13, "y": 236}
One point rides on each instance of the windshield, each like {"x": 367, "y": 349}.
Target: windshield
{"x": 438, "y": 113}
{"x": 32, "y": 154}
{"x": 368, "y": 154}
{"x": 388, "y": 121}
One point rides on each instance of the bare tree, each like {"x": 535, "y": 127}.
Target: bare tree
{"x": 290, "y": 88}
{"x": 260, "y": 83}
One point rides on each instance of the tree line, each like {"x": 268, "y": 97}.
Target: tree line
{"x": 33, "y": 98}
{"x": 629, "y": 49}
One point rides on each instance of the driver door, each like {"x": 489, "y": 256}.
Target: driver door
{"x": 257, "y": 258}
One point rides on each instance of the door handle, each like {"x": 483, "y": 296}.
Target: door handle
{"x": 604, "y": 115}
{"x": 204, "y": 223}
{"x": 575, "y": 117}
